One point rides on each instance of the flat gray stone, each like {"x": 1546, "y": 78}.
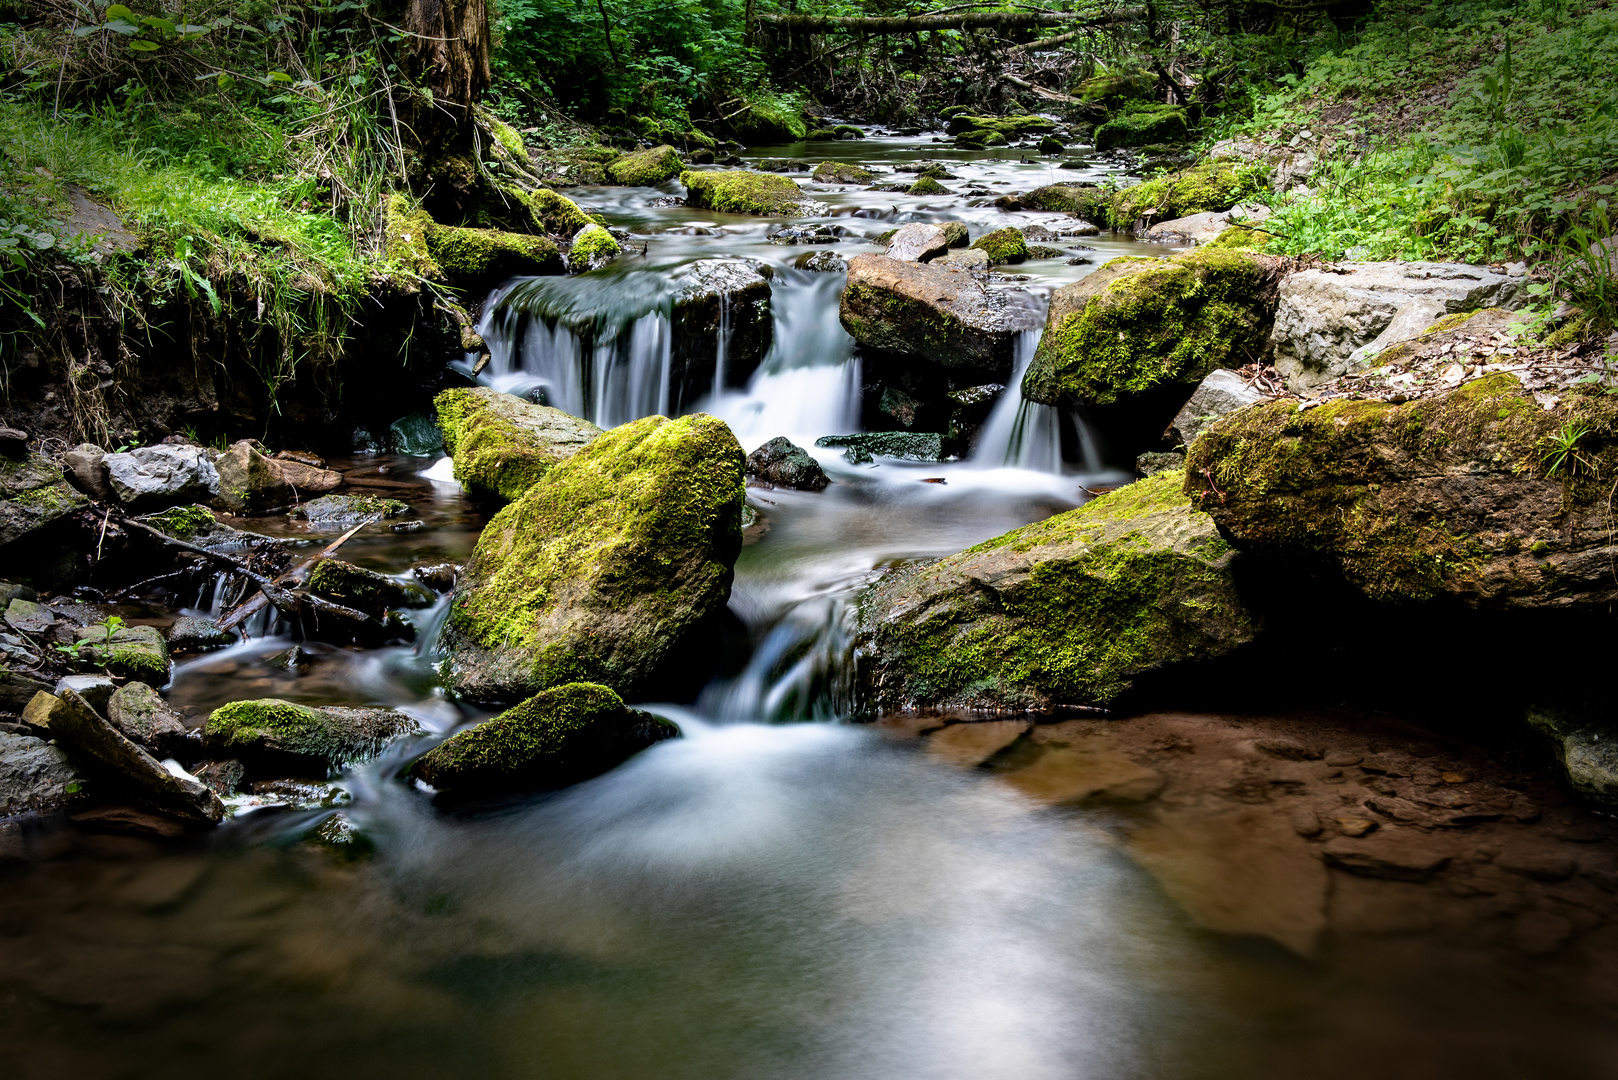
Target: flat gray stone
{"x": 154, "y": 477}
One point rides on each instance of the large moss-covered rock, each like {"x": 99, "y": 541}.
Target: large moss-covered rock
{"x": 475, "y": 258}
{"x": 503, "y": 445}
{"x": 737, "y": 191}
{"x": 361, "y": 589}
{"x": 272, "y": 737}
{"x": 1085, "y": 201}
{"x": 33, "y": 493}
{"x": 609, "y": 570}
{"x": 1143, "y": 125}
{"x": 1446, "y": 496}
{"x": 129, "y": 652}
{"x": 593, "y": 248}
{"x": 645, "y": 168}
{"x": 934, "y": 312}
{"x": 544, "y": 211}
{"x": 555, "y": 738}
{"x": 769, "y": 120}
{"x": 1213, "y": 185}
{"x": 962, "y": 123}
{"x": 1003, "y": 246}
{"x": 1078, "y": 608}
{"x": 841, "y": 172}
{"x": 1141, "y": 326}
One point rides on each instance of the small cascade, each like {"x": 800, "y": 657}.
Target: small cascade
{"x": 1024, "y": 434}
{"x": 802, "y": 670}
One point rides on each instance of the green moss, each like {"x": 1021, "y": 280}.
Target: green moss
{"x": 1139, "y": 324}
{"x": 955, "y": 234}
{"x": 468, "y": 256}
{"x": 358, "y": 588}
{"x": 927, "y": 186}
{"x": 1001, "y": 125}
{"x": 182, "y": 522}
{"x": 593, "y": 246}
{"x": 1111, "y": 89}
{"x": 273, "y": 735}
{"x": 1081, "y": 200}
{"x": 1143, "y": 125}
{"x": 840, "y": 172}
{"x": 770, "y": 119}
{"x": 133, "y": 652}
{"x": 550, "y": 213}
{"x": 742, "y": 192}
{"x": 404, "y": 236}
{"x": 1213, "y": 185}
{"x": 558, "y": 736}
{"x": 646, "y": 168}
{"x": 510, "y": 138}
{"x": 1241, "y": 238}
{"x": 1003, "y": 246}
{"x": 600, "y": 570}
{"x": 502, "y": 445}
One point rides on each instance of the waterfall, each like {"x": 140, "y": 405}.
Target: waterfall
{"x": 802, "y": 670}
{"x": 1024, "y": 434}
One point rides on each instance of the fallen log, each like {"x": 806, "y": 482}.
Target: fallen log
{"x": 283, "y": 600}
{"x": 1048, "y": 95}
{"x": 256, "y": 602}
{"x": 966, "y": 20}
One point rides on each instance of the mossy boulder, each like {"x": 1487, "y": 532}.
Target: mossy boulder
{"x": 926, "y": 185}
{"x": 1211, "y": 186}
{"x": 955, "y": 234}
{"x": 404, "y": 236}
{"x": 183, "y": 522}
{"x": 558, "y": 737}
{"x": 335, "y": 511}
{"x": 1112, "y": 89}
{"x": 769, "y": 121}
{"x": 361, "y": 589}
{"x": 476, "y": 258}
{"x": 593, "y": 248}
{"x": 1448, "y": 496}
{"x": 276, "y": 738}
{"x": 1003, "y": 246}
{"x": 738, "y": 191}
{"x": 141, "y": 714}
{"x": 1085, "y": 201}
{"x": 130, "y": 652}
{"x": 1003, "y": 125}
{"x": 544, "y": 211}
{"x": 927, "y": 310}
{"x": 841, "y": 172}
{"x": 646, "y": 168}
{"x": 34, "y": 494}
{"x": 1144, "y": 125}
{"x": 1142, "y": 329}
{"x": 611, "y": 569}
{"x": 503, "y": 445}
{"x": 1077, "y": 609}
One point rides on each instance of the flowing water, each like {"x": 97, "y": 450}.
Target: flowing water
{"x": 778, "y": 893}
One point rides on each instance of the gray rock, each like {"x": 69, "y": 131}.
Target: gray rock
{"x": 1221, "y": 393}
{"x": 93, "y": 743}
{"x": 17, "y": 689}
{"x": 145, "y": 718}
{"x": 97, "y": 690}
{"x": 27, "y": 617}
{"x": 415, "y": 436}
{"x": 1201, "y": 228}
{"x": 1585, "y": 745}
{"x": 972, "y": 259}
{"x": 785, "y": 464}
{"x": 1288, "y": 165}
{"x": 193, "y": 634}
{"x": 917, "y": 242}
{"x": 1328, "y": 323}
{"x": 1153, "y": 462}
{"x": 33, "y": 494}
{"x": 821, "y": 262}
{"x": 13, "y": 443}
{"x": 155, "y": 477}
{"x": 343, "y": 510}
{"x": 906, "y": 445}
{"x": 710, "y": 294}
{"x": 248, "y": 481}
{"x": 130, "y": 652}
{"x": 87, "y": 465}
{"x": 34, "y": 775}
{"x": 439, "y": 577}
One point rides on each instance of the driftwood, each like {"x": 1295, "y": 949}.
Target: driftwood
{"x": 966, "y": 20}
{"x": 256, "y": 602}
{"x": 1048, "y": 95}
{"x": 281, "y": 598}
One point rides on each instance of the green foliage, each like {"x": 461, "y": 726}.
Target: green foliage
{"x": 1562, "y": 452}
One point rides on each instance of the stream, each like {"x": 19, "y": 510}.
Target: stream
{"x": 781, "y": 893}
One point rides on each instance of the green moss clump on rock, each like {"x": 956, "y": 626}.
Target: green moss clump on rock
{"x": 739, "y": 191}
{"x": 472, "y": 257}
{"x": 1079, "y": 608}
{"x": 275, "y": 737}
{"x": 927, "y": 186}
{"x": 131, "y": 652}
{"x": 557, "y": 737}
{"x": 841, "y": 172}
{"x": 593, "y": 248}
{"x": 608, "y": 570}
{"x": 182, "y": 522}
{"x": 1002, "y": 125}
{"x": 1003, "y": 246}
{"x": 646, "y": 168}
{"x": 1139, "y": 324}
{"x": 358, "y": 588}
{"x": 1211, "y": 186}
{"x": 503, "y": 445}
{"x": 1143, "y": 125}
{"x": 550, "y": 213}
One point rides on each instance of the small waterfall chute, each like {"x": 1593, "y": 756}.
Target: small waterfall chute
{"x": 1023, "y": 434}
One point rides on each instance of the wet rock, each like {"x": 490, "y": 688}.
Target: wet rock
{"x": 1078, "y": 608}
{"x": 822, "y": 262}
{"x": 784, "y": 464}
{"x": 1002, "y": 246}
{"x": 941, "y": 314}
{"x": 34, "y": 776}
{"x": 1305, "y": 822}
{"x": 1086, "y": 775}
{"x": 926, "y": 185}
{"x": 141, "y": 714}
{"x": 646, "y": 168}
{"x": 415, "y": 435}
{"x": 782, "y": 165}
{"x": 1153, "y": 462}
{"x": 710, "y": 295}
{"x": 741, "y": 192}
{"x": 840, "y": 172}
{"x": 93, "y": 743}
{"x": 129, "y": 652}
{"x": 1220, "y": 394}
{"x": 593, "y": 247}
{"x": 153, "y": 477}
{"x": 1585, "y": 748}
{"x": 955, "y": 234}
{"x": 612, "y": 568}
{"x": 27, "y": 617}
{"x": 557, "y": 737}
{"x": 223, "y": 778}
{"x": 970, "y": 745}
{"x": 18, "y": 688}
{"x": 248, "y": 481}
{"x": 306, "y": 480}
{"x": 1328, "y": 323}
{"x": 1464, "y": 512}
{"x": 340, "y": 511}
{"x": 1394, "y": 854}
{"x": 275, "y": 738}
{"x": 1086, "y": 201}
{"x": 97, "y": 690}
{"x": 917, "y": 242}
{"x": 974, "y": 260}
{"x": 808, "y": 234}
{"x": 33, "y": 496}
{"x": 87, "y": 466}
{"x": 906, "y": 445}
{"x": 192, "y": 633}
{"x": 503, "y": 445}
{"x": 1287, "y": 749}
{"x": 359, "y": 588}
{"x": 439, "y": 577}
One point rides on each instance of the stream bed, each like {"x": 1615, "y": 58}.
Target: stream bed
{"x": 782, "y": 893}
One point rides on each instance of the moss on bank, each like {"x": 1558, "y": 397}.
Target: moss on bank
{"x": 1213, "y": 185}
{"x": 742, "y": 192}
{"x": 646, "y": 168}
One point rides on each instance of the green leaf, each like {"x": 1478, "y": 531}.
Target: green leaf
{"x": 118, "y": 11}
{"x": 278, "y": 76}
{"x": 159, "y": 22}
{"x": 122, "y": 26}
{"x": 142, "y": 45}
